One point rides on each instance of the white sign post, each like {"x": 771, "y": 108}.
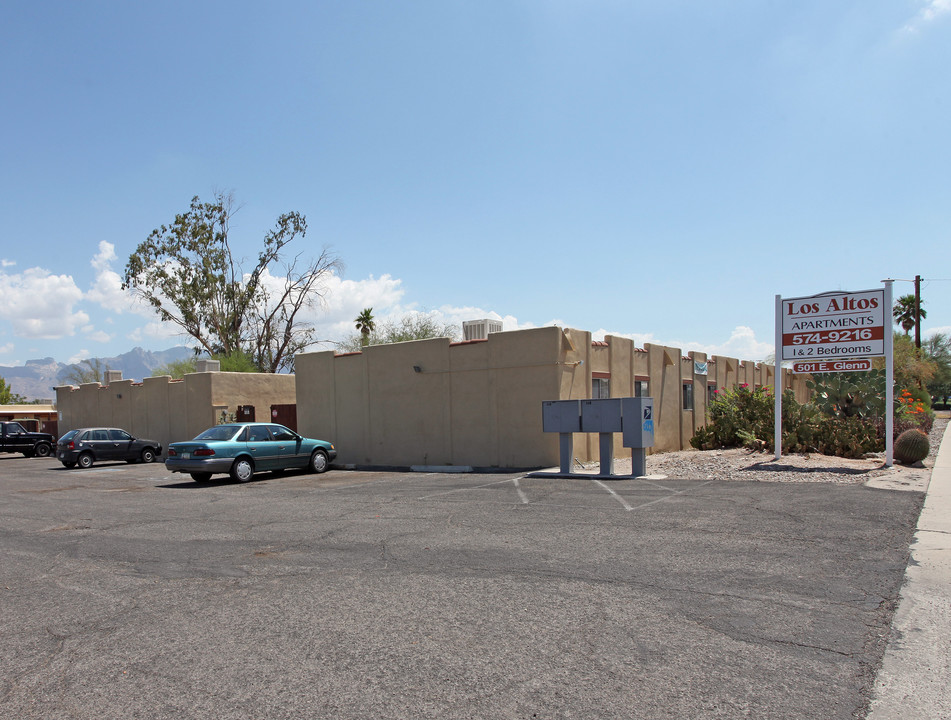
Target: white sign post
{"x": 839, "y": 327}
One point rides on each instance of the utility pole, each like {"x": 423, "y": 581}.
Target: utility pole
{"x": 918, "y": 313}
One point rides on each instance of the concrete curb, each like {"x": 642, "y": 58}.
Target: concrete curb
{"x": 914, "y": 682}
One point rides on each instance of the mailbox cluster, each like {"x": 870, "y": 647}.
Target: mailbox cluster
{"x": 633, "y": 417}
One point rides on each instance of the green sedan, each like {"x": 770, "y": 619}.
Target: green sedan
{"x": 242, "y": 449}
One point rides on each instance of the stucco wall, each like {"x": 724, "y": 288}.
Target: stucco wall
{"x": 169, "y": 410}
{"x": 479, "y": 403}
{"x": 476, "y": 403}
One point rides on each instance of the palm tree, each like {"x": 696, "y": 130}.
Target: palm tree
{"x": 365, "y": 325}
{"x": 904, "y": 312}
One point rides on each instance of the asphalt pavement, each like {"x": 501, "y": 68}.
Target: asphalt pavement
{"x": 127, "y": 592}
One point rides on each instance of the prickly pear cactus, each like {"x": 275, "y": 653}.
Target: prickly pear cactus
{"x": 911, "y": 447}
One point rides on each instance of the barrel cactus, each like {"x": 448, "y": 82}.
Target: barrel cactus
{"x": 911, "y": 447}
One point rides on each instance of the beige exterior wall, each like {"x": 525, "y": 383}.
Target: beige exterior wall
{"x": 479, "y": 403}
{"x": 432, "y": 402}
{"x": 167, "y": 410}
{"x": 476, "y": 403}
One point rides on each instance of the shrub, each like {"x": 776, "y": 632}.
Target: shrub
{"x": 742, "y": 417}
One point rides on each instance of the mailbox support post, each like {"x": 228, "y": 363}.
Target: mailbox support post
{"x": 638, "y": 462}
{"x": 565, "y": 451}
{"x": 606, "y": 446}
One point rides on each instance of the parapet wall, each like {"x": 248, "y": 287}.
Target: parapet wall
{"x": 478, "y": 403}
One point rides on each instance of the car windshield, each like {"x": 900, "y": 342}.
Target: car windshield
{"x": 220, "y": 432}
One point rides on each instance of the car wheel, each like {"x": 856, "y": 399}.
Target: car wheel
{"x": 85, "y": 460}
{"x": 242, "y": 470}
{"x": 148, "y": 455}
{"x": 319, "y": 462}
{"x": 42, "y": 450}
{"x": 69, "y": 464}
{"x": 200, "y": 476}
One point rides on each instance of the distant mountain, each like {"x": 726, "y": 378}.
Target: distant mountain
{"x": 36, "y": 379}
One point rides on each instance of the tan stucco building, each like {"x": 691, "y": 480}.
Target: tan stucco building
{"x": 432, "y": 402}
{"x": 479, "y": 403}
{"x": 167, "y": 410}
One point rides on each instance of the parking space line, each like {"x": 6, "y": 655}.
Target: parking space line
{"x": 614, "y": 495}
{"x": 673, "y": 493}
{"x": 464, "y": 489}
{"x": 518, "y": 489}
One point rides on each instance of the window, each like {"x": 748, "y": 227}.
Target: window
{"x": 600, "y": 388}
{"x": 641, "y": 388}
{"x": 281, "y": 433}
{"x": 258, "y": 433}
{"x": 711, "y": 393}
{"x": 688, "y": 396}
{"x": 119, "y": 436}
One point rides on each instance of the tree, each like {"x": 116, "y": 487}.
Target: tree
{"x": 7, "y": 396}
{"x": 236, "y": 362}
{"x": 905, "y": 315}
{"x": 90, "y": 370}
{"x": 938, "y": 349}
{"x": 910, "y": 369}
{"x": 412, "y": 326}
{"x": 186, "y": 272}
{"x": 365, "y": 326}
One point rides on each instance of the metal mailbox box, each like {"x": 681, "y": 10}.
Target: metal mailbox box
{"x": 561, "y": 416}
{"x": 638, "y": 415}
{"x": 601, "y": 415}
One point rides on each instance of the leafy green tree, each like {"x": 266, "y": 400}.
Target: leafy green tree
{"x": 937, "y": 348}
{"x": 89, "y": 370}
{"x": 187, "y": 273}
{"x": 236, "y": 362}
{"x": 412, "y": 326}
{"x": 365, "y": 325}
{"x": 7, "y": 396}
{"x": 904, "y": 313}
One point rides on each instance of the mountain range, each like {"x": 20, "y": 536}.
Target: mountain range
{"x": 36, "y": 379}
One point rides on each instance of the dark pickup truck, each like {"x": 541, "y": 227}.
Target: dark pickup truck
{"x": 15, "y": 439}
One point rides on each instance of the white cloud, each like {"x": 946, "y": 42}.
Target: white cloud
{"x": 41, "y": 305}
{"x": 158, "y": 330}
{"x": 7, "y": 263}
{"x": 4, "y": 349}
{"x": 741, "y": 344}
{"x": 78, "y": 357}
{"x": 106, "y": 289}
{"x": 103, "y": 259}
{"x": 99, "y": 336}
{"x": 932, "y": 10}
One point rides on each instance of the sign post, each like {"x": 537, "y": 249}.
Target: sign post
{"x": 835, "y": 332}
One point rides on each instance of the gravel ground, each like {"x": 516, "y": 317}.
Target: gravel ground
{"x": 740, "y": 464}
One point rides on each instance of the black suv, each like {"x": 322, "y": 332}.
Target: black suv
{"x": 14, "y": 438}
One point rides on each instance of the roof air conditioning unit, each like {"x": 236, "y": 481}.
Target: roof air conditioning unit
{"x": 480, "y": 329}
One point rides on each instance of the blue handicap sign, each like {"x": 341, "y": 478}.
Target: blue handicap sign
{"x": 648, "y": 425}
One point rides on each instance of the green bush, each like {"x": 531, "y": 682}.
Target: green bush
{"x": 740, "y": 417}
{"x": 745, "y": 418}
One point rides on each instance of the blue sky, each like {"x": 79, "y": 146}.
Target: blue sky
{"x": 655, "y": 169}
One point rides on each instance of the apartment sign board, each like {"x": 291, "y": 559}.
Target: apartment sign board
{"x": 827, "y": 366}
{"x": 834, "y": 325}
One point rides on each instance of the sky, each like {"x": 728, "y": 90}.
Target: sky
{"x": 654, "y": 169}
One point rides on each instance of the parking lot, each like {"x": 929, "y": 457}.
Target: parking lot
{"x": 131, "y": 592}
